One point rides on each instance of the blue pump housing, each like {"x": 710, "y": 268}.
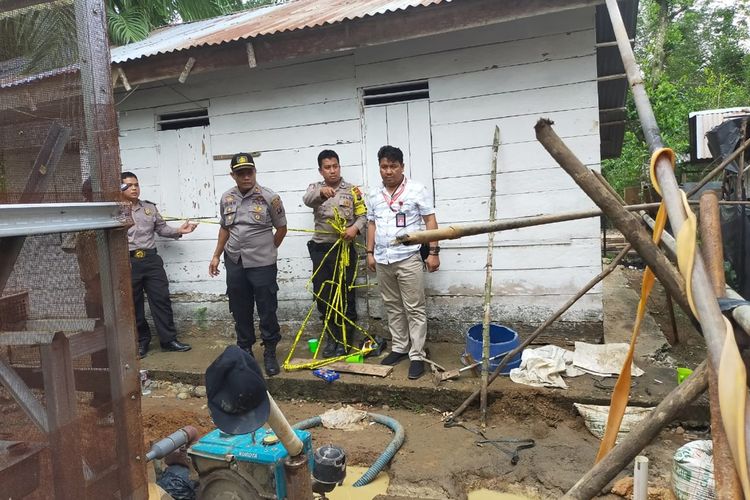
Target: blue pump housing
{"x": 251, "y": 449}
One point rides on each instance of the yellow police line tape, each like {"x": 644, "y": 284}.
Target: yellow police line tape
{"x": 731, "y": 369}
{"x": 335, "y": 302}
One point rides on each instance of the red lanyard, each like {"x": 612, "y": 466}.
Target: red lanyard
{"x": 396, "y": 194}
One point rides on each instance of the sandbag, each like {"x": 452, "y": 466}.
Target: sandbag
{"x": 693, "y": 471}
{"x": 595, "y": 418}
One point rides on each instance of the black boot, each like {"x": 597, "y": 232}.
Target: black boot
{"x": 142, "y": 349}
{"x": 269, "y": 361}
{"x": 329, "y": 350}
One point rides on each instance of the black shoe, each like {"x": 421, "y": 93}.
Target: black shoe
{"x": 416, "y": 369}
{"x": 394, "y": 358}
{"x": 176, "y": 346}
{"x": 248, "y": 350}
{"x": 142, "y": 350}
{"x": 329, "y": 350}
{"x": 340, "y": 350}
{"x": 270, "y": 363}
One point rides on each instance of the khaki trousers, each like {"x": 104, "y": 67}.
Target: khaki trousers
{"x": 402, "y": 289}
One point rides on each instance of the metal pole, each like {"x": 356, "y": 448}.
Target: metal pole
{"x": 707, "y": 309}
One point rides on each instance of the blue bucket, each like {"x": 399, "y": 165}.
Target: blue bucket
{"x": 502, "y": 340}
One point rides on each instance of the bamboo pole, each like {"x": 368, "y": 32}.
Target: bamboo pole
{"x": 488, "y": 285}
{"x": 456, "y": 231}
{"x": 506, "y": 359}
{"x": 591, "y": 484}
{"x": 707, "y": 309}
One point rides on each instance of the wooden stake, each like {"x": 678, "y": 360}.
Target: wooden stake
{"x": 503, "y": 362}
{"x": 488, "y": 285}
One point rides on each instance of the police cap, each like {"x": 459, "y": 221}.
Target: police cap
{"x": 242, "y": 160}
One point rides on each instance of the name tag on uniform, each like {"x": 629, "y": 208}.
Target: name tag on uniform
{"x": 400, "y": 219}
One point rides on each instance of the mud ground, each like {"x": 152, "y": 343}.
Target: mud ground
{"x": 440, "y": 463}
{"x": 446, "y": 463}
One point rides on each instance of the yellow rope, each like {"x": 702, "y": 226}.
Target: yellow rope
{"x": 731, "y": 370}
{"x": 335, "y": 302}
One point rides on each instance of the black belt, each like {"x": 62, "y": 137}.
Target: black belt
{"x": 142, "y": 252}
{"x": 320, "y": 246}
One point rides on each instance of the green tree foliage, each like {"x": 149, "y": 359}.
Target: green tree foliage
{"x": 42, "y": 37}
{"x": 695, "y": 55}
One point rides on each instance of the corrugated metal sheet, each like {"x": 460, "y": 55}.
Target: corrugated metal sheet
{"x": 294, "y": 15}
{"x": 705, "y": 121}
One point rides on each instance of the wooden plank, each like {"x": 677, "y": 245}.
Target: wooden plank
{"x": 468, "y": 59}
{"x": 291, "y": 115}
{"x": 81, "y": 342}
{"x": 64, "y": 434}
{"x": 23, "y": 396}
{"x": 355, "y": 368}
{"x": 507, "y": 31}
{"x": 461, "y": 108}
{"x": 86, "y": 379}
{"x": 518, "y": 157}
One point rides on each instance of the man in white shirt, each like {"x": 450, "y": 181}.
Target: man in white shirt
{"x": 398, "y": 206}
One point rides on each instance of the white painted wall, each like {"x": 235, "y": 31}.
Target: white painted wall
{"x": 507, "y": 75}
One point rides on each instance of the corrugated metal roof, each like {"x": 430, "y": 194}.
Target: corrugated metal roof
{"x": 290, "y": 16}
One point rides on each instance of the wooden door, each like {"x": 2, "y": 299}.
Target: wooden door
{"x": 186, "y": 173}
{"x": 405, "y": 125}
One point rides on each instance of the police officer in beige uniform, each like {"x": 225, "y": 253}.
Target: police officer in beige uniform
{"x": 249, "y": 214}
{"x": 147, "y": 268}
{"x": 331, "y": 196}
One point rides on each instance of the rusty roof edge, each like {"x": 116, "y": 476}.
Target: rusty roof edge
{"x": 265, "y": 32}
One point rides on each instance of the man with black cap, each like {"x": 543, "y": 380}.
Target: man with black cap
{"x": 249, "y": 214}
{"x": 236, "y": 392}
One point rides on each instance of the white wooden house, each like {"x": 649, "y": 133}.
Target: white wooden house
{"x": 431, "y": 77}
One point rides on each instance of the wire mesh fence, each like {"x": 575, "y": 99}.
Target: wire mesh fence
{"x": 70, "y": 394}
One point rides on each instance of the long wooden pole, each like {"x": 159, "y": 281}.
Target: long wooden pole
{"x": 726, "y": 480}
{"x": 456, "y": 231}
{"x": 506, "y": 359}
{"x": 707, "y": 309}
{"x": 627, "y": 223}
{"x": 488, "y": 285}
{"x": 591, "y": 484}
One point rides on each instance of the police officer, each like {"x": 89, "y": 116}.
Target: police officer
{"x": 147, "y": 268}
{"x": 330, "y": 197}
{"x": 249, "y": 213}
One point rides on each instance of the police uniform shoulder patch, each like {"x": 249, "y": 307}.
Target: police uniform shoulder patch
{"x": 228, "y": 198}
{"x": 276, "y": 204}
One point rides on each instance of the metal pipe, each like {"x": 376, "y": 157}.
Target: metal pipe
{"x": 298, "y": 478}
{"x": 164, "y": 447}
{"x": 640, "y": 478}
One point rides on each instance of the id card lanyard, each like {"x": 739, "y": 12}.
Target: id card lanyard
{"x": 400, "y": 215}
